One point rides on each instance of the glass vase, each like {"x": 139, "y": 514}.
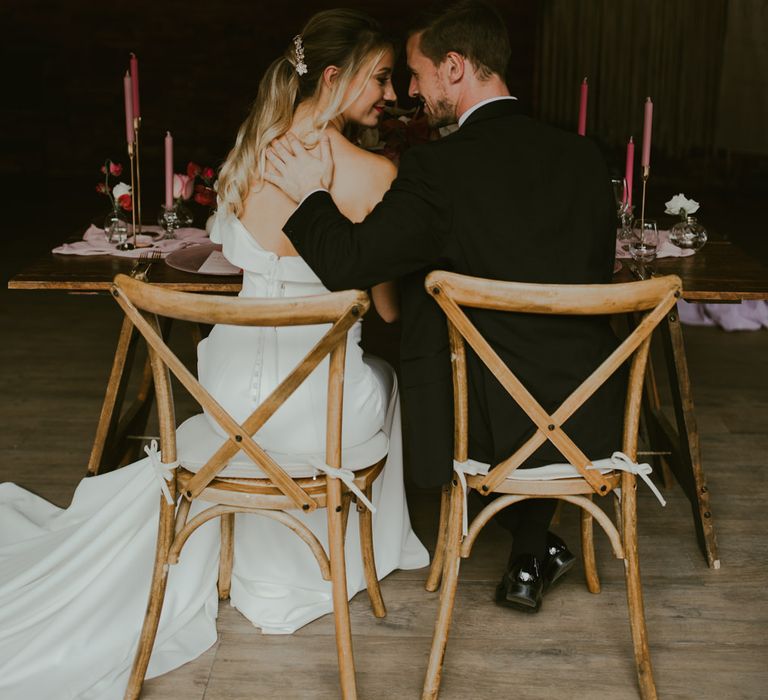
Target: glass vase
{"x": 688, "y": 233}
{"x": 115, "y": 229}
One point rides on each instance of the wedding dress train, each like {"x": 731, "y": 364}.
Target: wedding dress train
{"x": 74, "y": 582}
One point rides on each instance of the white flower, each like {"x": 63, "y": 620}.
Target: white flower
{"x": 120, "y": 189}
{"x": 681, "y": 202}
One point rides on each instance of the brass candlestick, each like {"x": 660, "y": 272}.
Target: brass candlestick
{"x": 137, "y": 198}
{"x": 646, "y": 173}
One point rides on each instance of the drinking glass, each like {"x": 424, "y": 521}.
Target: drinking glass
{"x": 644, "y": 241}
{"x": 619, "y": 188}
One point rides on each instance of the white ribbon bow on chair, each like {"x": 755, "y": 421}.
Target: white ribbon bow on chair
{"x": 163, "y": 470}
{"x": 618, "y": 461}
{"x": 347, "y": 477}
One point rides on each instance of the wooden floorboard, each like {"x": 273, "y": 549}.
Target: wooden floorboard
{"x": 707, "y": 628}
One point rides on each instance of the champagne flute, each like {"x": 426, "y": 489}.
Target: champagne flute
{"x": 619, "y": 194}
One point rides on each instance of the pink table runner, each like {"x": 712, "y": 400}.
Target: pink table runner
{"x": 95, "y": 242}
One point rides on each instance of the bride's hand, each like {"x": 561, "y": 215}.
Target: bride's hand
{"x": 297, "y": 171}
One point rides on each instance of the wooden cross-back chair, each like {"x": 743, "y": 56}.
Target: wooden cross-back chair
{"x": 653, "y": 299}
{"x": 269, "y": 491}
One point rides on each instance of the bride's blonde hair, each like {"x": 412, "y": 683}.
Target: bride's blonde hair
{"x": 347, "y": 39}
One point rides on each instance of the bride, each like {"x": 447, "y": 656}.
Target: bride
{"x": 74, "y": 583}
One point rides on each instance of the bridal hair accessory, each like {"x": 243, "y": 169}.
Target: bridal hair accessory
{"x": 301, "y": 67}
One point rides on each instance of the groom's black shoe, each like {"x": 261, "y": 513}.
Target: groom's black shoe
{"x": 558, "y": 561}
{"x": 522, "y": 585}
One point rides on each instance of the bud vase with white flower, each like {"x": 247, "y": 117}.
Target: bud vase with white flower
{"x": 687, "y": 233}
{"x": 116, "y": 224}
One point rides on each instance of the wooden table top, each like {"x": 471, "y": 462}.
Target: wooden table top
{"x": 94, "y": 273}
{"x": 721, "y": 271}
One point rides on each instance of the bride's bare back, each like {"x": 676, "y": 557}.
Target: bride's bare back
{"x": 360, "y": 180}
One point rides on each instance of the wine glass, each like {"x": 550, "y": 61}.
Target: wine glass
{"x": 644, "y": 242}
{"x": 619, "y": 187}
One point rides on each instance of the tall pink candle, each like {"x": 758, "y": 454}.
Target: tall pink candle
{"x": 135, "y": 85}
{"x": 583, "y": 108}
{"x": 168, "y": 170}
{"x": 128, "y": 108}
{"x": 647, "y": 128}
{"x": 628, "y": 170}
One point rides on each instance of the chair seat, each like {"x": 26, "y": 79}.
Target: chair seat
{"x": 196, "y": 442}
{"x": 618, "y": 462}
{"x": 544, "y": 473}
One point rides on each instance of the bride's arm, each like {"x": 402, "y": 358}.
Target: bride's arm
{"x": 384, "y": 295}
{"x": 385, "y": 301}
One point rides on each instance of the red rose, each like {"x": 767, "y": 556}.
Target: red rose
{"x": 115, "y": 169}
{"x": 125, "y": 202}
{"x": 101, "y": 188}
{"x": 193, "y": 169}
{"x": 208, "y": 174}
{"x": 104, "y": 169}
{"x": 205, "y": 195}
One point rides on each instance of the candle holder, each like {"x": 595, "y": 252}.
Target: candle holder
{"x": 646, "y": 173}
{"x": 137, "y": 197}
{"x": 169, "y": 220}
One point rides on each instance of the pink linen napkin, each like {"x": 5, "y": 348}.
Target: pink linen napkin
{"x": 95, "y": 242}
{"x": 665, "y": 249}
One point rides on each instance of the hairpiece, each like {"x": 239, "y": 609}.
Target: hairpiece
{"x": 301, "y": 67}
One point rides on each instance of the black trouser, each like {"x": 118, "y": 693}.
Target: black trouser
{"x": 528, "y": 522}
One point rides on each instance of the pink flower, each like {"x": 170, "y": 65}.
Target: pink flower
{"x": 125, "y": 201}
{"x": 183, "y": 186}
{"x": 104, "y": 169}
{"x": 115, "y": 169}
{"x": 205, "y": 195}
{"x": 208, "y": 174}
{"x": 193, "y": 170}
{"x": 101, "y": 188}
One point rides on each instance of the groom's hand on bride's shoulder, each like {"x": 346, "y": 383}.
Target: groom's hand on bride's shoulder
{"x": 297, "y": 171}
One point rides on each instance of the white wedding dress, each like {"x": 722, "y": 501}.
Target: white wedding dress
{"x": 74, "y": 582}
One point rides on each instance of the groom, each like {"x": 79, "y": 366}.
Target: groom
{"x": 503, "y": 197}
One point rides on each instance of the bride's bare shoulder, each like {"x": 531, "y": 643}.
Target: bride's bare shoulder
{"x": 360, "y": 173}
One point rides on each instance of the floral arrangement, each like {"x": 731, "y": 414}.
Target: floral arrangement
{"x": 681, "y": 206}
{"x": 119, "y": 194}
{"x": 398, "y": 130}
{"x": 204, "y": 179}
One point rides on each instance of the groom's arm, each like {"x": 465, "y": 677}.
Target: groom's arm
{"x": 406, "y": 231}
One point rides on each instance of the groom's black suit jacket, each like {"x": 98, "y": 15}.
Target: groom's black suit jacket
{"x": 504, "y": 197}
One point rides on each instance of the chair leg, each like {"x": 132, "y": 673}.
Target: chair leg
{"x": 365, "y": 518}
{"x": 450, "y": 576}
{"x": 588, "y": 551}
{"x": 339, "y": 591}
{"x": 634, "y": 589}
{"x": 436, "y": 568}
{"x": 226, "y": 555}
{"x": 346, "y": 502}
{"x": 155, "y": 604}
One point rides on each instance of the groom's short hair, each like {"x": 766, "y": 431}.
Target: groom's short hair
{"x": 469, "y": 27}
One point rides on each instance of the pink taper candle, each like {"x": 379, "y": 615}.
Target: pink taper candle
{"x": 168, "y": 170}
{"x": 128, "y": 108}
{"x": 135, "y": 85}
{"x": 645, "y": 162}
{"x": 583, "y": 108}
{"x": 629, "y": 169}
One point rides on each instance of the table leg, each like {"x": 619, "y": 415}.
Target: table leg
{"x": 113, "y": 445}
{"x": 684, "y": 442}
